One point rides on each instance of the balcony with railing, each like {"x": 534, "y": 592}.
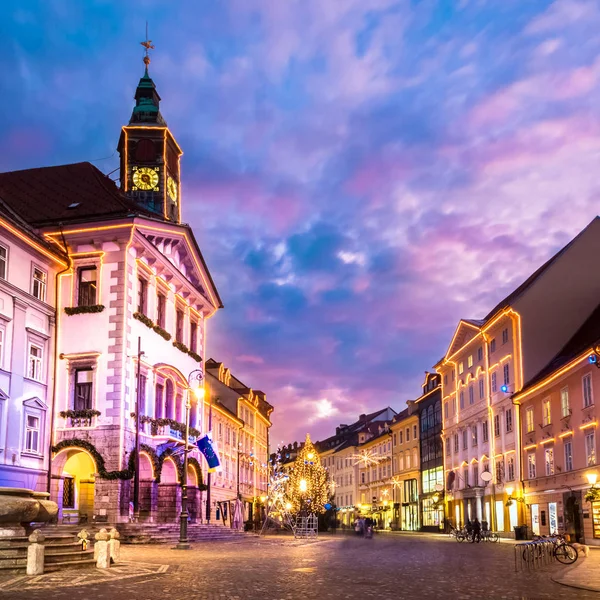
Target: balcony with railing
{"x": 80, "y": 418}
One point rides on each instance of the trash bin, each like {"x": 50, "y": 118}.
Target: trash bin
{"x": 520, "y": 532}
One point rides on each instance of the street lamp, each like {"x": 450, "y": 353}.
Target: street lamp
{"x": 195, "y": 383}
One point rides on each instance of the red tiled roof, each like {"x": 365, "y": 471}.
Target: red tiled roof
{"x": 44, "y": 195}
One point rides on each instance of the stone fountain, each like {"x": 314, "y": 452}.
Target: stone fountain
{"x": 20, "y": 507}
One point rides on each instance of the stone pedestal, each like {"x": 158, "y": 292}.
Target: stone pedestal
{"x": 19, "y": 507}
{"x": 35, "y": 554}
{"x": 101, "y": 550}
{"x": 114, "y": 546}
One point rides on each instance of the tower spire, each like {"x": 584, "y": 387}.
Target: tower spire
{"x": 148, "y": 46}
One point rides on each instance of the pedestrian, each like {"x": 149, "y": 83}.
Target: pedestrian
{"x": 476, "y": 531}
{"x": 469, "y": 527}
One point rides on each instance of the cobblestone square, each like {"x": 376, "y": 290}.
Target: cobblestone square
{"x": 280, "y": 568}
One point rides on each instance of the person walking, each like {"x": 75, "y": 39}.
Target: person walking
{"x": 476, "y": 531}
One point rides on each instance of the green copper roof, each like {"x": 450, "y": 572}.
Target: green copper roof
{"x": 147, "y": 103}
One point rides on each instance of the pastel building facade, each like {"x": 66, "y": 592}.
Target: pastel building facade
{"x": 488, "y": 361}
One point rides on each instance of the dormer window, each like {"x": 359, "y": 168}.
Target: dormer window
{"x": 87, "y": 286}
{"x": 142, "y": 295}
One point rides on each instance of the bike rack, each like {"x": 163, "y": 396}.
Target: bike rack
{"x": 535, "y": 554}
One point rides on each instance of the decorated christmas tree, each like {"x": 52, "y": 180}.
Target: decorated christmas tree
{"x": 307, "y": 486}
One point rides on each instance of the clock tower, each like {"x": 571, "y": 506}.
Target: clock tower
{"x": 150, "y": 173}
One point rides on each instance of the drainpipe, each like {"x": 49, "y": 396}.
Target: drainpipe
{"x": 55, "y": 343}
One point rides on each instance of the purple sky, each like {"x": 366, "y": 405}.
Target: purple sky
{"x": 360, "y": 174}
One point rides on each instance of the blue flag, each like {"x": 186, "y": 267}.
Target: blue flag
{"x": 209, "y": 449}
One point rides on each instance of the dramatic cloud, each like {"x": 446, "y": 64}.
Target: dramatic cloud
{"x": 360, "y": 174}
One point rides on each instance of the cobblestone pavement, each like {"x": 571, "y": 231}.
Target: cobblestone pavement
{"x": 386, "y": 568}
{"x": 585, "y": 573}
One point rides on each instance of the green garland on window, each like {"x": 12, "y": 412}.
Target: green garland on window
{"x": 86, "y": 413}
{"x": 181, "y": 347}
{"x": 162, "y": 332}
{"x": 144, "y": 319}
{"x": 195, "y": 356}
{"x": 78, "y": 310}
{"x": 156, "y": 423}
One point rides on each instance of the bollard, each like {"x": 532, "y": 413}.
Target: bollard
{"x": 83, "y": 536}
{"x": 101, "y": 550}
{"x": 114, "y": 546}
{"x": 35, "y": 553}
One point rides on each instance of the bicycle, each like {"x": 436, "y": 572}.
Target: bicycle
{"x": 562, "y": 551}
{"x": 489, "y": 536}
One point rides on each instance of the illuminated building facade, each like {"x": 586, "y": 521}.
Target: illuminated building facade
{"x": 241, "y": 419}
{"x": 405, "y": 476}
{"x": 559, "y": 422}
{"x": 429, "y": 409}
{"x": 488, "y": 361}
{"x": 28, "y": 274}
{"x": 134, "y": 272}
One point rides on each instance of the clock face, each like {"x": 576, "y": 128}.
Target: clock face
{"x": 172, "y": 189}
{"x": 145, "y": 178}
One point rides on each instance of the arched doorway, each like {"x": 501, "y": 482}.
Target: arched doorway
{"x": 147, "y": 487}
{"x": 193, "y": 493}
{"x": 169, "y": 493}
{"x": 74, "y": 487}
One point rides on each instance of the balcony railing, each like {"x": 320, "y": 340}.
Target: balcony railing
{"x": 80, "y": 418}
{"x": 165, "y": 428}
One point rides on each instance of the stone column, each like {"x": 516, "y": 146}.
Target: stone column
{"x": 35, "y": 553}
{"x": 479, "y": 508}
{"x": 114, "y": 546}
{"x": 101, "y": 550}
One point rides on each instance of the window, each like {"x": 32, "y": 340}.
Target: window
{"x": 1, "y": 347}
{"x": 400, "y": 437}
{"x": 568, "y": 456}
{"x": 510, "y": 468}
{"x": 474, "y": 436}
{"x": 86, "y": 285}
{"x": 505, "y": 336}
{"x": 475, "y": 474}
{"x": 408, "y": 434}
{"x": 531, "y": 465}
{"x": 466, "y": 476}
{"x": 494, "y": 383}
{"x": 461, "y": 368}
{"x": 32, "y": 433}
{"x": 161, "y": 304}
{"x": 590, "y": 448}
{"x": 588, "y": 399}
{"x": 547, "y": 414}
{"x": 142, "y": 295}
{"x": 454, "y": 405}
{"x": 499, "y": 470}
{"x": 158, "y": 401}
{"x": 496, "y": 425}
{"x": 82, "y": 398}
{"x": 448, "y": 447}
{"x": 549, "y": 454}
{"x": 179, "y": 325}
{"x": 506, "y": 374}
{"x": 462, "y": 399}
{"x": 479, "y": 353}
{"x": 481, "y": 388}
{"x": 194, "y": 336}
{"x": 564, "y": 402}
{"x": 362, "y": 477}
{"x": 414, "y": 432}
{"x": 445, "y": 403}
{"x": 529, "y": 419}
{"x": 484, "y": 431}
{"x": 509, "y": 420}
{"x": 69, "y": 492}
{"x": 470, "y": 361}
{"x": 445, "y": 379}
{"x": 493, "y": 346}
{"x": 3, "y": 262}
{"x": 471, "y": 394}
{"x": 455, "y": 443}
{"x": 465, "y": 438}
{"x": 35, "y": 362}
{"x": 38, "y": 284}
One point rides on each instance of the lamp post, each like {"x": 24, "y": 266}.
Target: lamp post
{"x": 196, "y": 377}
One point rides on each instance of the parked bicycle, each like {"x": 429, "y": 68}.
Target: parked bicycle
{"x": 489, "y": 536}
{"x": 562, "y": 551}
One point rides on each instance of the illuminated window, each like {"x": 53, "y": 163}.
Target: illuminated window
{"x": 547, "y": 414}
{"x": 474, "y": 436}
{"x": 494, "y": 383}
{"x": 86, "y": 286}
{"x": 484, "y": 431}
{"x": 480, "y": 353}
{"x": 588, "y": 398}
{"x": 510, "y": 468}
{"x": 564, "y": 402}
{"x": 549, "y": 455}
{"x": 590, "y": 447}
{"x": 471, "y": 394}
{"x": 32, "y": 433}
{"x": 481, "y": 388}
{"x": 38, "y": 284}
{"x": 500, "y": 470}
{"x": 142, "y": 295}
{"x": 530, "y": 423}
{"x": 531, "y": 465}
{"x": 504, "y": 336}
{"x": 35, "y": 362}
{"x": 509, "y": 420}
{"x": 3, "y": 262}
{"x": 568, "y": 456}
{"x": 470, "y": 361}
{"x": 493, "y": 346}
{"x": 461, "y": 368}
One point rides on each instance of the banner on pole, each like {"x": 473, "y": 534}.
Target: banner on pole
{"x": 208, "y": 448}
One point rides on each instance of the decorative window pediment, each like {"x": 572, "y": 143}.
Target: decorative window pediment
{"x": 35, "y": 403}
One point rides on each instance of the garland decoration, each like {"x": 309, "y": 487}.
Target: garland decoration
{"x": 79, "y": 310}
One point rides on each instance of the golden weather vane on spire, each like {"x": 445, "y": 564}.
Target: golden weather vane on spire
{"x": 148, "y": 45}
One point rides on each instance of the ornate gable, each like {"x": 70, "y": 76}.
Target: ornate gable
{"x": 465, "y": 331}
